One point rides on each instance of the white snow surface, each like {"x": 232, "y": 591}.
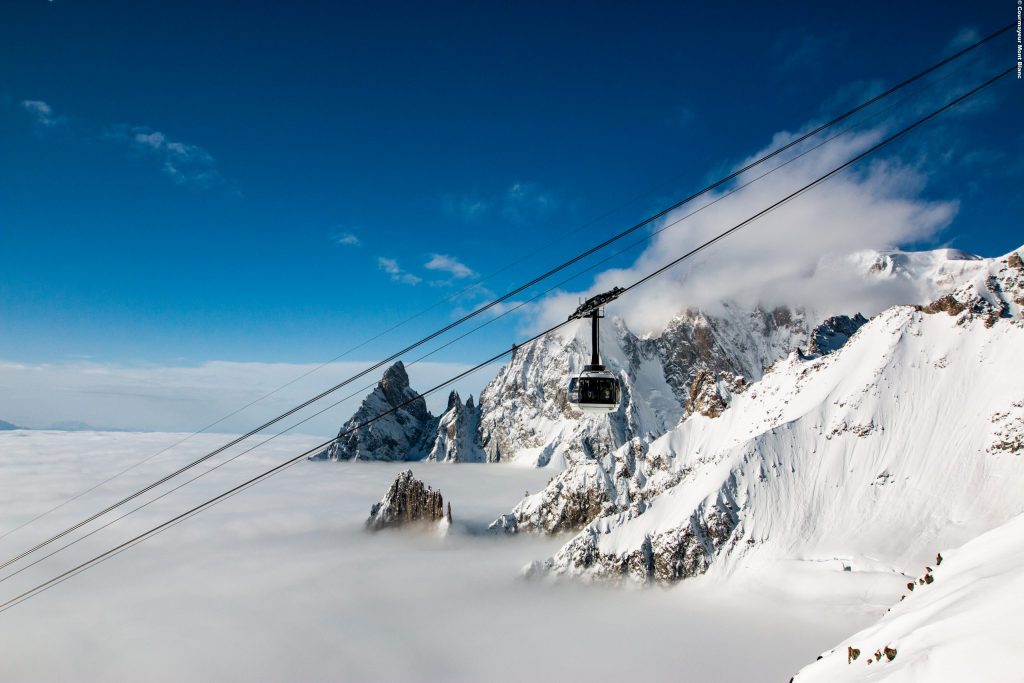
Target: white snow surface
{"x": 905, "y": 440}
{"x": 966, "y": 625}
{"x": 879, "y": 450}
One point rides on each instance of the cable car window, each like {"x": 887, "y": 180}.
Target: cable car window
{"x": 598, "y": 390}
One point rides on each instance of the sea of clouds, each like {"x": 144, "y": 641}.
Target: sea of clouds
{"x": 282, "y": 583}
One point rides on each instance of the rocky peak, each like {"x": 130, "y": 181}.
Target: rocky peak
{"x": 454, "y": 400}
{"x": 711, "y": 392}
{"x": 457, "y": 437}
{"x": 990, "y": 293}
{"x": 402, "y": 427}
{"x": 408, "y": 501}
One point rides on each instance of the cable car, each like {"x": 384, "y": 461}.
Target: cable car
{"x": 594, "y": 391}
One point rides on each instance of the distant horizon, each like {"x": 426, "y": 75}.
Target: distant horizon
{"x": 161, "y": 213}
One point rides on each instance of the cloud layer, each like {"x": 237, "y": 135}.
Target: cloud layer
{"x": 282, "y": 583}
{"x": 185, "y": 398}
{"x": 796, "y": 255}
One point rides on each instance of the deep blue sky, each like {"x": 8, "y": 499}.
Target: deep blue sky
{"x": 187, "y": 194}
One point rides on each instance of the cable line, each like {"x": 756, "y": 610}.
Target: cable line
{"x": 608, "y": 296}
{"x": 645, "y": 238}
{"x": 503, "y": 298}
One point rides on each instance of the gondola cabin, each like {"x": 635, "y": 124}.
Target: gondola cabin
{"x": 594, "y": 391}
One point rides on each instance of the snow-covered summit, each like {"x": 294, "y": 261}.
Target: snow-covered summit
{"x": 906, "y": 438}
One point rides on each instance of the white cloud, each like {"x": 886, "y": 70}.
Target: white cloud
{"x": 524, "y": 201}
{"x": 469, "y": 209}
{"x": 43, "y": 114}
{"x": 182, "y": 162}
{"x": 794, "y": 255}
{"x": 964, "y": 37}
{"x": 450, "y": 265}
{"x": 185, "y": 398}
{"x": 347, "y": 239}
{"x": 520, "y": 202}
{"x": 391, "y": 267}
{"x": 287, "y": 567}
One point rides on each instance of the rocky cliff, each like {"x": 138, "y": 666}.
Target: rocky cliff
{"x": 406, "y": 432}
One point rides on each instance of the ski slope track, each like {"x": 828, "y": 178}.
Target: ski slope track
{"x": 905, "y": 440}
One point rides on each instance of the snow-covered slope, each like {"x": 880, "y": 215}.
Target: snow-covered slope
{"x": 525, "y": 416}
{"x": 906, "y": 439}
{"x": 962, "y": 622}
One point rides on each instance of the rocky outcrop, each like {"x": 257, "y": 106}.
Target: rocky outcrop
{"x": 994, "y": 293}
{"x": 573, "y": 498}
{"x": 408, "y": 501}
{"x": 405, "y": 432}
{"x": 832, "y": 334}
{"x": 458, "y": 433}
{"x": 677, "y": 553}
{"x": 711, "y": 393}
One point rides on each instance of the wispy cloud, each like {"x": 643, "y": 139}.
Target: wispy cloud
{"x": 183, "y": 162}
{"x": 346, "y": 239}
{"x": 520, "y": 202}
{"x": 391, "y": 267}
{"x": 176, "y": 397}
{"x": 42, "y": 114}
{"x": 683, "y": 115}
{"x": 798, "y": 255}
{"x": 964, "y": 37}
{"x": 451, "y": 265}
{"x": 524, "y": 201}
{"x": 466, "y": 208}
{"x": 801, "y": 50}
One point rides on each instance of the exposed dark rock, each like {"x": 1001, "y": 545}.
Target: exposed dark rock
{"x": 946, "y": 304}
{"x": 851, "y": 654}
{"x": 408, "y": 501}
{"x": 711, "y": 392}
{"x": 663, "y": 558}
{"x": 568, "y": 503}
{"x": 1014, "y": 261}
{"x": 890, "y": 652}
{"x": 403, "y": 428}
{"x": 832, "y": 334}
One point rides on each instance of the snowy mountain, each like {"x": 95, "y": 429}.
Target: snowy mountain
{"x": 405, "y": 434}
{"x": 526, "y": 418}
{"x": 904, "y": 439}
{"x": 961, "y": 621}
{"x": 410, "y": 432}
{"x": 457, "y": 435}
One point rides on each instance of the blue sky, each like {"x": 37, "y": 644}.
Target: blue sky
{"x": 188, "y": 181}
